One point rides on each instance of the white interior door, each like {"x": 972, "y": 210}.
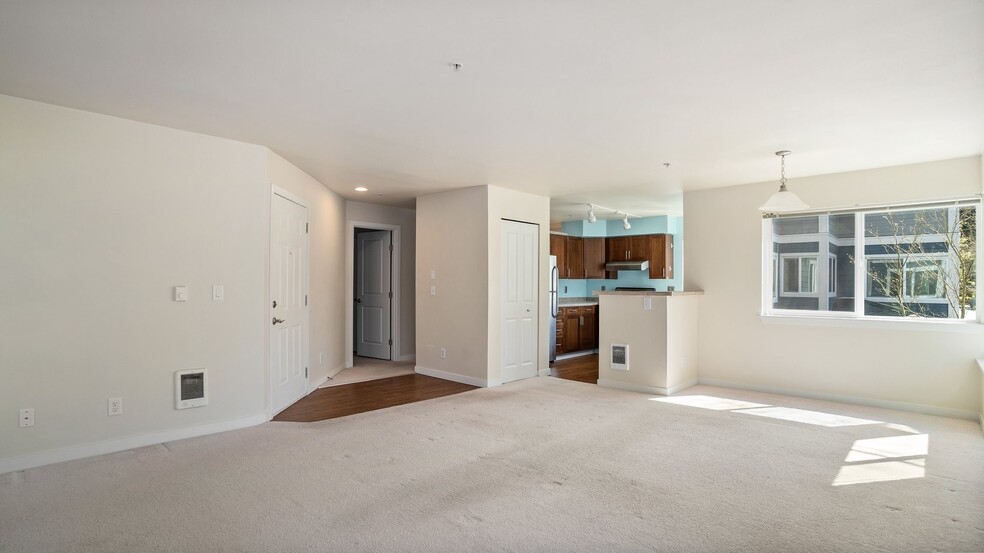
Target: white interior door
{"x": 520, "y": 252}
{"x": 373, "y": 294}
{"x": 288, "y": 296}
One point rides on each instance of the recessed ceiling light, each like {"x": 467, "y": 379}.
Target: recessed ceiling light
{"x": 361, "y": 189}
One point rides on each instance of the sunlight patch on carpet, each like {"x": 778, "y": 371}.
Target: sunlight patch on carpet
{"x": 708, "y": 402}
{"x": 808, "y": 417}
{"x": 884, "y": 471}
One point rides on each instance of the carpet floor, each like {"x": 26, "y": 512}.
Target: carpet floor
{"x": 538, "y": 465}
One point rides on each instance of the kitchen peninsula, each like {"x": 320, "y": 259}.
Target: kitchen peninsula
{"x": 659, "y": 333}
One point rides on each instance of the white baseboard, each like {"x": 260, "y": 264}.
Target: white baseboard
{"x": 470, "y": 380}
{"x": 80, "y": 451}
{"x": 543, "y": 372}
{"x": 406, "y": 358}
{"x": 645, "y": 389}
{"x": 882, "y": 403}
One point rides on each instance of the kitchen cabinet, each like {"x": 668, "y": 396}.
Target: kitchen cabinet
{"x": 660, "y": 256}
{"x": 575, "y": 257}
{"x": 594, "y": 258}
{"x": 588, "y": 335}
{"x": 558, "y": 247}
{"x": 656, "y": 248}
{"x": 577, "y": 329}
{"x": 561, "y": 324}
{"x": 570, "y": 255}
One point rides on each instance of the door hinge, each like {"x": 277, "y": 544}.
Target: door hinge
{"x": 305, "y": 299}
{"x": 391, "y": 294}
{"x": 391, "y": 341}
{"x": 305, "y": 372}
{"x": 391, "y": 247}
{"x": 306, "y": 230}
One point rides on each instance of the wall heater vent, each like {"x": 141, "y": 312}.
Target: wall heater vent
{"x": 190, "y": 388}
{"x": 620, "y": 356}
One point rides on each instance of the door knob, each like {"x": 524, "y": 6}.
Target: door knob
{"x": 276, "y": 320}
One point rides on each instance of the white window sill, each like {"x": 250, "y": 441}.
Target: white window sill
{"x": 920, "y": 324}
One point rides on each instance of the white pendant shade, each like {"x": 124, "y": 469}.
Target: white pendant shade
{"x": 783, "y": 201}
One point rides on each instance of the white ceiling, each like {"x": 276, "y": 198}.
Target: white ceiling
{"x": 581, "y": 100}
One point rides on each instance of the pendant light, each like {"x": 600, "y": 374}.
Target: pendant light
{"x": 591, "y": 215}
{"x": 783, "y": 201}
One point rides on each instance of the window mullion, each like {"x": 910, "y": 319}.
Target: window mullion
{"x": 860, "y": 265}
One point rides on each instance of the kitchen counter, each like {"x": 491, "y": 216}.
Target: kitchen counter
{"x": 647, "y": 293}
{"x": 660, "y": 337}
{"x": 577, "y": 302}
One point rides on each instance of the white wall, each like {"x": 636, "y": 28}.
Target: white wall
{"x": 406, "y": 220}
{"x": 527, "y": 208}
{"x": 100, "y": 218}
{"x": 458, "y": 237}
{"x": 326, "y": 217}
{"x": 906, "y": 367}
{"x": 452, "y": 241}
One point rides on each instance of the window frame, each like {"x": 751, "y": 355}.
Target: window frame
{"x": 770, "y": 314}
{"x": 783, "y": 257}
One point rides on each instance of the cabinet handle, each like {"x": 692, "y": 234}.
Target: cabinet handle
{"x": 582, "y": 320}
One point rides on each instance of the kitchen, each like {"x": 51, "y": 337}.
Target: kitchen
{"x": 598, "y": 264}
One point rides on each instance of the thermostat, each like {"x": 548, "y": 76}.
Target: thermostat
{"x": 190, "y": 388}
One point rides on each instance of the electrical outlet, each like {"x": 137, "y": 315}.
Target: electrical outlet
{"x": 444, "y": 353}
{"x": 321, "y": 358}
{"x": 115, "y": 406}
{"x": 25, "y": 417}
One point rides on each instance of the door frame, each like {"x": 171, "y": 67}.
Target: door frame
{"x": 277, "y": 191}
{"x": 396, "y": 352}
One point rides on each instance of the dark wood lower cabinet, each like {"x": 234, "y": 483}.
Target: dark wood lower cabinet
{"x": 577, "y": 329}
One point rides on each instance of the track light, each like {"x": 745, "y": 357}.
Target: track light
{"x": 591, "y": 215}
{"x": 625, "y": 222}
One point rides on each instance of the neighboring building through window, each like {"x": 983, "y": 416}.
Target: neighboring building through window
{"x": 914, "y": 262}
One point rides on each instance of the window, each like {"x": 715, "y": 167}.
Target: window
{"x": 799, "y": 275}
{"x": 917, "y": 261}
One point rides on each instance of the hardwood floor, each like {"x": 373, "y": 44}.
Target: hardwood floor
{"x": 582, "y": 369}
{"x": 359, "y": 397}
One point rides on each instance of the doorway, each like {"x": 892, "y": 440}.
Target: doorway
{"x": 289, "y": 266}
{"x": 373, "y": 294}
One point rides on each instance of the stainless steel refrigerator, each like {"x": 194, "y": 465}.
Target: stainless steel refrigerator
{"x": 554, "y": 306}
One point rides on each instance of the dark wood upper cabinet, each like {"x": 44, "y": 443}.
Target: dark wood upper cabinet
{"x": 617, "y": 248}
{"x": 575, "y": 257}
{"x": 594, "y": 258}
{"x": 558, "y": 247}
{"x": 586, "y": 257}
{"x": 660, "y": 256}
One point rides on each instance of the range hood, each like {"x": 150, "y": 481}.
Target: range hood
{"x": 627, "y": 265}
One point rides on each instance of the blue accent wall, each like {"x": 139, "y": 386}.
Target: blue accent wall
{"x": 663, "y": 224}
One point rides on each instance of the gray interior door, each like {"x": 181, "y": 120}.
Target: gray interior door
{"x": 373, "y": 294}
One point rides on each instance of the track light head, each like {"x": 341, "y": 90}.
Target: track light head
{"x": 625, "y": 222}
{"x": 591, "y": 215}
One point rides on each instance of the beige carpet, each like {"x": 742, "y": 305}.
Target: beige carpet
{"x": 369, "y": 369}
{"x": 537, "y": 465}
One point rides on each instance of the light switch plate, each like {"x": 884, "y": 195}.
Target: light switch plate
{"x": 218, "y": 292}
{"x": 433, "y": 290}
{"x": 647, "y": 303}
{"x": 180, "y": 293}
